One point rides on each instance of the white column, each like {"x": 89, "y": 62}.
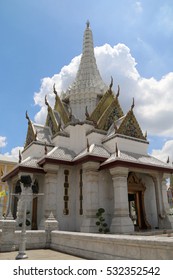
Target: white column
{"x": 164, "y": 194}
{"x": 9, "y": 182}
{"x": 166, "y": 219}
{"x": 50, "y": 193}
{"x": 121, "y": 222}
{"x": 90, "y": 196}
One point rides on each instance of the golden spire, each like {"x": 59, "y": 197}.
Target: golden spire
{"x": 88, "y": 24}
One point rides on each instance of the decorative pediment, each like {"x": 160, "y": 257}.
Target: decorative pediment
{"x": 103, "y": 104}
{"x": 135, "y": 183}
{"x": 51, "y": 122}
{"x": 107, "y": 110}
{"x": 31, "y": 134}
{"x": 130, "y": 126}
{"x": 112, "y": 113}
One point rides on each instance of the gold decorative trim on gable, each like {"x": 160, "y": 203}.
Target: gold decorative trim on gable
{"x": 31, "y": 134}
{"x": 107, "y": 110}
{"x": 112, "y": 113}
{"x": 52, "y": 122}
{"x": 104, "y": 102}
{"x": 51, "y": 119}
{"x": 130, "y": 127}
{"x": 59, "y": 107}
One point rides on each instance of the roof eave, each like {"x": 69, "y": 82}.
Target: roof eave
{"x": 20, "y": 168}
{"x": 122, "y": 163}
{"x": 81, "y": 160}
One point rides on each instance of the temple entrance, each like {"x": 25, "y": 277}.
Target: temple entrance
{"x": 136, "y": 191}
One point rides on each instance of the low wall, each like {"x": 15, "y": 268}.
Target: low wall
{"x": 35, "y": 239}
{"x": 117, "y": 247}
{"x": 94, "y": 246}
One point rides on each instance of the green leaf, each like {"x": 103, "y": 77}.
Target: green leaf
{"x": 105, "y": 225}
{"x": 101, "y": 210}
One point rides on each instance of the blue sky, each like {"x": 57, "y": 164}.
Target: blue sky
{"x": 39, "y": 37}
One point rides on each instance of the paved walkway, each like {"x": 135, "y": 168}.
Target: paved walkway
{"x": 42, "y": 254}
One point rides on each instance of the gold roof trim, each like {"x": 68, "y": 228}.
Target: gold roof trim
{"x": 31, "y": 133}
{"x": 103, "y": 104}
{"x": 59, "y": 107}
{"x": 112, "y": 112}
{"x": 51, "y": 119}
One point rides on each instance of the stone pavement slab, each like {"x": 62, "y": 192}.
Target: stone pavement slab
{"x": 41, "y": 254}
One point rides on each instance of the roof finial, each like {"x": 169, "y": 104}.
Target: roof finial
{"x": 27, "y": 117}
{"x": 116, "y": 150}
{"x": 133, "y": 104}
{"x": 167, "y": 160}
{"x": 46, "y": 102}
{"x": 88, "y": 146}
{"x": 111, "y": 84}
{"x": 118, "y": 91}
{"x": 54, "y": 89}
{"x": 86, "y": 113}
{"x": 45, "y": 148}
{"x": 88, "y": 24}
{"x": 20, "y": 157}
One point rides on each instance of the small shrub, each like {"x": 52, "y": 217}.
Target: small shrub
{"x": 103, "y": 227}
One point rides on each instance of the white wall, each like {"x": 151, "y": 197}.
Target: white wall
{"x": 128, "y": 145}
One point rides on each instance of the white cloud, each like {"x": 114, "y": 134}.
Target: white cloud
{"x": 62, "y": 81}
{"x": 165, "y": 152}
{"x": 138, "y": 7}
{"x": 14, "y": 152}
{"x": 3, "y": 141}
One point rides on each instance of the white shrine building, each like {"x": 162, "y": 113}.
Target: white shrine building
{"x": 91, "y": 155}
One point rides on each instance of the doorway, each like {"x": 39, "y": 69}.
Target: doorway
{"x": 136, "y": 191}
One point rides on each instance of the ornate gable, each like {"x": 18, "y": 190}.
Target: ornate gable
{"x": 130, "y": 127}
{"x": 107, "y": 110}
{"x": 104, "y": 102}
{"x": 59, "y": 107}
{"x": 51, "y": 120}
{"x": 31, "y": 133}
{"x": 112, "y": 113}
